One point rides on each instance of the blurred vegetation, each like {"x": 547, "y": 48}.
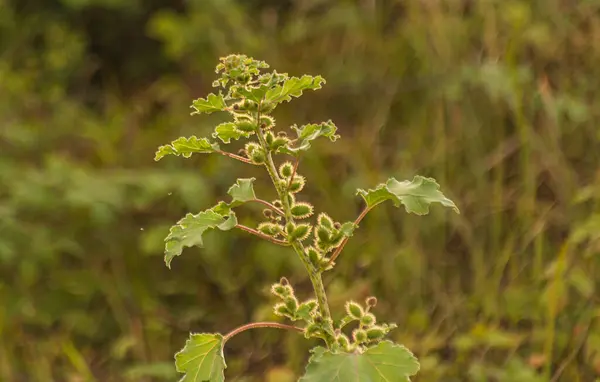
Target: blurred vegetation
{"x": 499, "y": 100}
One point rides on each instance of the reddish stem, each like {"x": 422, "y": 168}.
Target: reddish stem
{"x": 293, "y": 173}
{"x": 271, "y": 206}
{"x": 338, "y": 250}
{"x": 235, "y": 156}
{"x": 255, "y": 325}
{"x": 262, "y": 235}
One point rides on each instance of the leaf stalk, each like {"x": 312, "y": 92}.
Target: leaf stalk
{"x": 255, "y": 325}
{"x": 262, "y": 235}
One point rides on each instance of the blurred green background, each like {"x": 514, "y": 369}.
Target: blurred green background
{"x": 498, "y": 100}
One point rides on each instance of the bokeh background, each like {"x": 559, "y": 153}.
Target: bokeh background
{"x": 499, "y": 100}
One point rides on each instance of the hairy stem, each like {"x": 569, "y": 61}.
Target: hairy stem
{"x": 235, "y": 156}
{"x": 313, "y": 273}
{"x": 262, "y": 235}
{"x": 255, "y": 325}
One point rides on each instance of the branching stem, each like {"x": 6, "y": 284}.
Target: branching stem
{"x": 271, "y": 206}
{"x": 235, "y": 156}
{"x": 255, "y": 325}
{"x": 262, "y": 235}
{"x": 338, "y": 250}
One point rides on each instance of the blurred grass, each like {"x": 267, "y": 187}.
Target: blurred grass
{"x": 498, "y": 100}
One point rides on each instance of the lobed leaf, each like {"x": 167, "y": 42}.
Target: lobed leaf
{"x": 415, "y": 195}
{"x": 293, "y": 87}
{"x": 186, "y": 147}
{"x": 308, "y": 133}
{"x": 253, "y": 93}
{"x": 189, "y": 230}
{"x": 209, "y": 105}
{"x": 202, "y": 359}
{"x": 384, "y": 362}
{"x": 242, "y": 191}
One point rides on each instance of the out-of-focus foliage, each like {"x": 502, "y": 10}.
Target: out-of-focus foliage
{"x": 498, "y": 100}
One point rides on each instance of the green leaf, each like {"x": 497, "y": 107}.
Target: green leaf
{"x": 209, "y": 105}
{"x": 293, "y": 87}
{"x": 252, "y": 93}
{"x": 186, "y": 147}
{"x": 202, "y": 359}
{"x": 308, "y": 133}
{"x": 188, "y": 231}
{"x": 242, "y": 191}
{"x": 385, "y": 362}
{"x": 227, "y": 131}
{"x": 415, "y": 195}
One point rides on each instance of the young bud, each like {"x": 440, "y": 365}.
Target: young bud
{"x": 284, "y": 281}
{"x": 281, "y": 310}
{"x": 282, "y": 291}
{"x": 286, "y": 169}
{"x": 301, "y": 232}
{"x": 325, "y": 221}
{"x": 314, "y": 256}
{"x": 266, "y": 121}
{"x": 322, "y": 234}
{"x": 269, "y": 138}
{"x": 376, "y": 333}
{"x": 268, "y": 213}
{"x": 336, "y": 239}
{"x": 251, "y": 147}
{"x": 297, "y": 184}
{"x": 302, "y": 210}
{"x": 371, "y": 301}
{"x": 278, "y": 289}
{"x": 343, "y": 341}
{"x": 249, "y": 105}
{"x": 281, "y": 134}
{"x": 306, "y": 309}
{"x": 354, "y": 310}
{"x": 291, "y": 304}
{"x": 368, "y": 320}
{"x": 291, "y": 199}
{"x": 278, "y": 142}
{"x": 258, "y": 156}
{"x": 270, "y": 229}
{"x": 359, "y": 336}
{"x": 310, "y": 304}
{"x": 289, "y": 228}
{"x": 246, "y": 125}
{"x": 312, "y": 330}
{"x": 277, "y": 203}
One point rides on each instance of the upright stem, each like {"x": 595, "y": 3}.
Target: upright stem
{"x": 313, "y": 273}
